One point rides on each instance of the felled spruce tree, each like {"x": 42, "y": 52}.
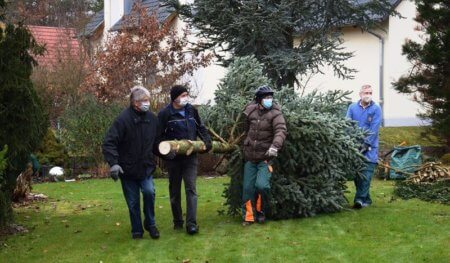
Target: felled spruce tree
{"x": 321, "y": 149}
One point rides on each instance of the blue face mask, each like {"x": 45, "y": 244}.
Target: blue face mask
{"x": 267, "y": 103}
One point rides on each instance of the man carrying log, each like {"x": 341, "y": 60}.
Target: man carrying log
{"x": 265, "y": 135}
{"x": 180, "y": 121}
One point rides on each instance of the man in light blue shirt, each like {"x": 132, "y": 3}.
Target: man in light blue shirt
{"x": 368, "y": 115}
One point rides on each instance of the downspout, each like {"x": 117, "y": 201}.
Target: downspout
{"x": 381, "y": 74}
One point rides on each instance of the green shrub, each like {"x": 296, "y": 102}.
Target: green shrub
{"x": 445, "y": 159}
{"x": 4, "y": 205}
{"x": 51, "y": 151}
{"x": 23, "y": 121}
{"x": 437, "y": 192}
{"x": 84, "y": 126}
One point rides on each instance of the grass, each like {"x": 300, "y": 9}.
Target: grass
{"x": 392, "y": 136}
{"x": 88, "y": 222}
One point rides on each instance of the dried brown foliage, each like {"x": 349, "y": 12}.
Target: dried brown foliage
{"x": 144, "y": 52}
{"x": 58, "y": 81}
{"x": 59, "y": 13}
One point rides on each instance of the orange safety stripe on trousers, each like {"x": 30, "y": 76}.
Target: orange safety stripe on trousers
{"x": 249, "y": 212}
{"x": 259, "y": 203}
{"x": 269, "y": 167}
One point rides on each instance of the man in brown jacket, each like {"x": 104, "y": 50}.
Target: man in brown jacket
{"x": 265, "y": 135}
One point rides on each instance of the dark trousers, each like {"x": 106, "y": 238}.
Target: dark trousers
{"x": 362, "y": 184}
{"x": 183, "y": 169}
{"x": 132, "y": 190}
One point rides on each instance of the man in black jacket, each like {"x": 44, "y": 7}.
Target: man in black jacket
{"x": 180, "y": 121}
{"x": 128, "y": 148}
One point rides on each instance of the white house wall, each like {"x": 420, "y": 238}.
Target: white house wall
{"x": 205, "y": 80}
{"x": 399, "y": 110}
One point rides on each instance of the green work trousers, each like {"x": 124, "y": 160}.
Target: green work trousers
{"x": 256, "y": 189}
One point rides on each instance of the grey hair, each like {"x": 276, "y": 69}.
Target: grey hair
{"x": 138, "y": 92}
{"x": 365, "y": 86}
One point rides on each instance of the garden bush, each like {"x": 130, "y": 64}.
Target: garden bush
{"x": 445, "y": 159}
{"x": 84, "y": 126}
{"x": 52, "y": 151}
{"x": 5, "y": 210}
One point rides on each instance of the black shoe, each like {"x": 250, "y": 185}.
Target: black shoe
{"x": 154, "y": 233}
{"x": 178, "y": 226}
{"x": 192, "y": 229}
{"x": 136, "y": 235}
{"x": 260, "y": 218}
{"x": 358, "y": 205}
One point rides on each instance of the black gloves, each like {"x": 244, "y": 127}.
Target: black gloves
{"x": 364, "y": 148}
{"x": 171, "y": 155}
{"x": 208, "y": 145}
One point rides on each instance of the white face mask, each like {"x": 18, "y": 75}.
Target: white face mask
{"x": 367, "y": 98}
{"x": 184, "y": 101}
{"x": 145, "y": 106}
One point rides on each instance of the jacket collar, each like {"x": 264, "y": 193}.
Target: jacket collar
{"x": 173, "y": 111}
{"x": 370, "y": 104}
{"x": 136, "y": 112}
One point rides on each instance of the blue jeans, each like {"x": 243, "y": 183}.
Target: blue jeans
{"x": 363, "y": 184}
{"x": 131, "y": 191}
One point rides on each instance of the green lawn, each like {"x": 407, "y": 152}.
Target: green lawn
{"x": 392, "y": 136}
{"x": 88, "y": 222}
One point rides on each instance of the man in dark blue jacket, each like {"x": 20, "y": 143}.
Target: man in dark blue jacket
{"x": 368, "y": 115}
{"x": 180, "y": 121}
{"x": 128, "y": 148}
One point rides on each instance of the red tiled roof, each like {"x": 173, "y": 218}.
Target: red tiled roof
{"x": 60, "y": 43}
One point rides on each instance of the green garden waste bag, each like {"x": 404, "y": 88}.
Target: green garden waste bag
{"x": 406, "y": 159}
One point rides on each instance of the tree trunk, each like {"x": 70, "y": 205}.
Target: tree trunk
{"x": 23, "y": 184}
{"x": 187, "y": 147}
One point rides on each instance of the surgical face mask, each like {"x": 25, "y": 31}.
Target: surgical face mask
{"x": 145, "y": 106}
{"x": 367, "y": 98}
{"x": 184, "y": 101}
{"x": 267, "y": 103}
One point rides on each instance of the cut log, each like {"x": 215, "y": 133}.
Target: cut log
{"x": 187, "y": 147}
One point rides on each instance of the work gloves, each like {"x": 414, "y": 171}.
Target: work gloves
{"x": 114, "y": 172}
{"x": 272, "y": 152}
{"x": 364, "y": 148}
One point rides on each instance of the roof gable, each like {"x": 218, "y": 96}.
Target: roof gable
{"x": 163, "y": 12}
{"x": 96, "y": 21}
{"x": 394, "y": 4}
